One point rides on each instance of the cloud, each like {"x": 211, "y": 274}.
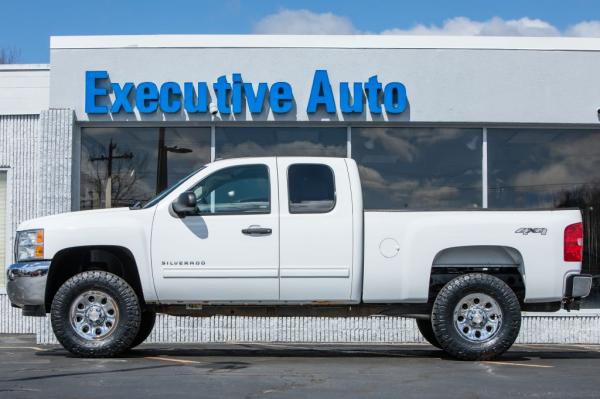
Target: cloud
{"x": 305, "y": 22}
{"x": 399, "y": 191}
{"x": 462, "y": 26}
{"x": 585, "y": 29}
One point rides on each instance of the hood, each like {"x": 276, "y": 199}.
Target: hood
{"x": 46, "y": 221}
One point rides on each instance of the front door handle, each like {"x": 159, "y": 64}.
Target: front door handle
{"x": 257, "y": 231}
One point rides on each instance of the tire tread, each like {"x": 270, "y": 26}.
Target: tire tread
{"x": 443, "y": 326}
{"x": 67, "y": 337}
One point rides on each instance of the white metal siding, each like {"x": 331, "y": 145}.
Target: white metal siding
{"x": 54, "y": 162}
{"x": 584, "y": 329}
{"x": 18, "y": 142}
{"x": 2, "y": 227}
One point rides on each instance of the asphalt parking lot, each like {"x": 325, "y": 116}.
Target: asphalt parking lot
{"x": 297, "y": 371}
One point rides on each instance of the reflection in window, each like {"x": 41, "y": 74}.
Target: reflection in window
{"x": 238, "y": 189}
{"x": 234, "y": 142}
{"x": 120, "y": 166}
{"x": 311, "y": 188}
{"x": 539, "y": 168}
{"x": 419, "y": 168}
{"x": 549, "y": 168}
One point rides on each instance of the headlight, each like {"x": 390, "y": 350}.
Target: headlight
{"x": 29, "y": 245}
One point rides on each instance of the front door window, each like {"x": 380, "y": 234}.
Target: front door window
{"x": 235, "y": 190}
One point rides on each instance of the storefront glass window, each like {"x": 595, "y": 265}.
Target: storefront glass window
{"x": 234, "y": 142}
{"x": 549, "y": 168}
{"x": 541, "y": 168}
{"x": 419, "y": 168}
{"x": 135, "y": 164}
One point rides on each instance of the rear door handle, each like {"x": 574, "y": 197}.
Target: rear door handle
{"x": 257, "y": 231}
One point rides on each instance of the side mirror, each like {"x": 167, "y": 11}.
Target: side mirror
{"x": 185, "y": 204}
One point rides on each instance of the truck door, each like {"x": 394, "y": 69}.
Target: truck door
{"x": 230, "y": 250}
{"x": 315, "y": 230}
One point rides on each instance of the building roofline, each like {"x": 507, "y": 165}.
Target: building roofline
{"x": 327, "y": 41}
{"x": 24, "y": 67}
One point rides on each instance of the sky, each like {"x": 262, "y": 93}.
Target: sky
{"x": 27, "y": 24}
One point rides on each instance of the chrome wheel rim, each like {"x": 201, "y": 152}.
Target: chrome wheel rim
{"x": 94, "y": 315}
{"x": 477, "y": 317}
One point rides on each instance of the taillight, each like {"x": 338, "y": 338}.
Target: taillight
{"x": 574, "y": 242}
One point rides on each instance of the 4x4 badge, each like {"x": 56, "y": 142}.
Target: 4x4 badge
{"x": 533, "y": 230}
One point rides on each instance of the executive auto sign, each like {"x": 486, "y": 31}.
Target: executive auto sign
{"x": 231, "y": 95}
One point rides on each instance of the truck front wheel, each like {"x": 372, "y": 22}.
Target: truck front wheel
{"x": 95, "y": 314}
{"x": 476, "y": 316}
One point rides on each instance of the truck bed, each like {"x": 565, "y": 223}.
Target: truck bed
{"x": 401, "y": 248}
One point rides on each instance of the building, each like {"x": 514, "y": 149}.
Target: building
{"x": 433, "y": 122}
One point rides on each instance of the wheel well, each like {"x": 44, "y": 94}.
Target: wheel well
{"x": 441, "y": 276}
{"x": 71, "y": 261}
{"x": 506, "y": 263}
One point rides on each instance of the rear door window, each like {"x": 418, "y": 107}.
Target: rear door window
{"x": 311, "y": 188}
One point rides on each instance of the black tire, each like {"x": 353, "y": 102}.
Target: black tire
{"x": 124, "y": 308}
{"x": 466, "y": 288}
{"x": 146, "y": 326}
{"x": 426, "y": 331}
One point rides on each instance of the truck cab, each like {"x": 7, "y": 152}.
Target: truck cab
{"x": 261, "y": 230}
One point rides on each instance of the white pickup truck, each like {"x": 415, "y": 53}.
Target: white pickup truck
{"x": 287, "y": 236}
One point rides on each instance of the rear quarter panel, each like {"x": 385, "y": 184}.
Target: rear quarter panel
{"x": 420, "y": 236}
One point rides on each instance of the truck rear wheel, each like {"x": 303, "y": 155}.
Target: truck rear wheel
{"x": 95, "y": 314}
{"x": 476, "y": 316}
{"x": 426, "y": 331}
{"x": 146, "y": 326}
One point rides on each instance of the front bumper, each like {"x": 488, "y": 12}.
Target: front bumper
{"x": 26, "y": 284}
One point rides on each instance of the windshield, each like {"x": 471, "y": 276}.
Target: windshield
{"x": 169, "y": 190}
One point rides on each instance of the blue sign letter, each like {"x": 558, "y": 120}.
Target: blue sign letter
{"x": 121, "y": 98}
{"x": 373, "y": 87}
{"x": 236, "y": 96}
{"x": 92, "y": 91}
{"x": 345, "y": 102}
{"x": 255, "y": 101}
{"x": 146, "y": 97}
{"x": 222, "y": 88}
{"x": 394, "y": 98}
{"x": 170, "y": 94}
{"x": 321, "y": 93}
{"x": 195, "y": 102}
{"x": 280, "y": 97}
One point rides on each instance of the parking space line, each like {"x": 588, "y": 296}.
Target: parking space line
{"x": 170, "y": 359}
{"x": 560, "y": 347}
{"x": 543, "y": 366}
{"x": 35, "y": 348}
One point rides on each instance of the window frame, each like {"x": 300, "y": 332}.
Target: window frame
{"x": 288, "y": 189}
{"x": 9, "y": 234}
{"x": 270, "y": 209}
